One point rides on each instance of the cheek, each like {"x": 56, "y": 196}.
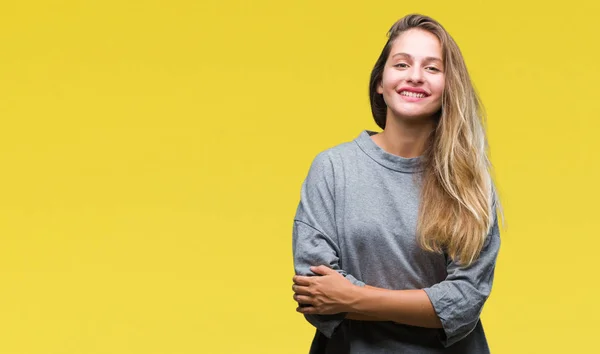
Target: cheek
{"x": 440, "y": 85}
{"x": 390, "y": 79}
{"x": 385, "y": 83}
{"x": 439, "y": 93}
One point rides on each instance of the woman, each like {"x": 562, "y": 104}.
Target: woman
{"x": 395, "y": 238}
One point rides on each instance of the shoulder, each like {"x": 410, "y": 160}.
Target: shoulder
{"x": 336, "y": 155}
{"x": 328, "y": 164}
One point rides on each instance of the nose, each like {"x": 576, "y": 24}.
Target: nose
{"x": 415, "y": 75}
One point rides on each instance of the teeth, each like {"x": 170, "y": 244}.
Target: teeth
{"x": 412, "y": 94}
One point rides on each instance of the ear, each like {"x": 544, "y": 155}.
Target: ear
{"x": 380, "y": 87}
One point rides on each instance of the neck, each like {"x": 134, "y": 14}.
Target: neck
{"x": 406, "y": 138}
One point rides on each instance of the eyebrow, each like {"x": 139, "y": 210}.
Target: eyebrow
{"x": 426, "y": 58}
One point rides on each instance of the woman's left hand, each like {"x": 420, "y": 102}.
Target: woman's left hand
{"x": 327, "y": 293}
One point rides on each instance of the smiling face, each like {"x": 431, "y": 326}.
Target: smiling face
{"x": 413, "y": 78}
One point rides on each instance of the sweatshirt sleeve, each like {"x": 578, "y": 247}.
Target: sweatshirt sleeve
{"x": 314, "y": 236}
{"x": 459, "y": 299}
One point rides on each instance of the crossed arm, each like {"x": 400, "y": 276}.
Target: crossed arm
{"x": 331, "y": 293}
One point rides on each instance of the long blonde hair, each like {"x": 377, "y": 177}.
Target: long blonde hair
{"x": 458, "y": 202}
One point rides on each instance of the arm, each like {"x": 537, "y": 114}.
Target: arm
{"x": 330, "y": 293}
{"x": 362, "y": 317}
{"x": 314, "y": 236}
{"x": 459, "y": 300}
{"x": 410, "y": 307}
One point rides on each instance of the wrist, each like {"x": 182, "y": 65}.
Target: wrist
{"x": 354, "y": 296}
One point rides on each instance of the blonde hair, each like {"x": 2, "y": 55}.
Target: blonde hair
{"x": 458, "y": 202}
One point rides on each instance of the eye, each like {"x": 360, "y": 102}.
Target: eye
{"x": 401, "y": 65}
{"x": 432, "y": 68}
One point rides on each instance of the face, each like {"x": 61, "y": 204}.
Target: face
{"x": 413, "y": 77}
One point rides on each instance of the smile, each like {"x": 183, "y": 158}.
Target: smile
{"x": 413, "y": 94}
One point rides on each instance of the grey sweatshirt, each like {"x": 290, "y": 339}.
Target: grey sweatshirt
{"x": 357, "y": 214}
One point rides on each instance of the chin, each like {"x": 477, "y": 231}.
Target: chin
{"x": 414, "y": 115}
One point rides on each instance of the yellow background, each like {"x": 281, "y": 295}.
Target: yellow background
{"x": 152, "y": 154}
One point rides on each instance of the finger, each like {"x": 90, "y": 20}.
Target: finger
{"x": 307, "y": 310}
{"x": 301, "y": 290}
{"x": 322, "y": 270}
{"x": 301, "y": 280}
{"x": 303, "y": 299}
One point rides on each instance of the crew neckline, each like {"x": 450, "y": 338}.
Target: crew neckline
{"x": 384, "y": 158}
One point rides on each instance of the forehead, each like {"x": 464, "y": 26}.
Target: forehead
{"x": 418, "y": 43}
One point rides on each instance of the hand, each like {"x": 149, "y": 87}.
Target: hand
{"x": 327, "y": 293}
